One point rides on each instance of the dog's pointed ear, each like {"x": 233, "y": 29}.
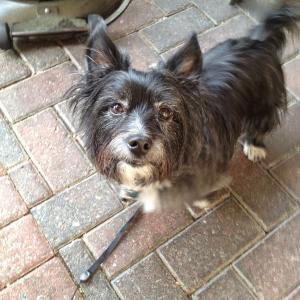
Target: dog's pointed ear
{"x": 101, "y": 52}
{"x": 188, "y": 60}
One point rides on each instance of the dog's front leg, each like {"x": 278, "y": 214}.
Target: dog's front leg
{"x": 150, "y": 196}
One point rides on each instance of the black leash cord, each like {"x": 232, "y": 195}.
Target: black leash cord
{"x": 85, "y": 276}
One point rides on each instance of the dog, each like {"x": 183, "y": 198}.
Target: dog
{"x": 176, "y": 126}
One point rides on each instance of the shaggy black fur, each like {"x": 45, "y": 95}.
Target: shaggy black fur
{"x": 192, "y": 108}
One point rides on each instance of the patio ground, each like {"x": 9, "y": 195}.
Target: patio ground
{"x": 56, "y": 214}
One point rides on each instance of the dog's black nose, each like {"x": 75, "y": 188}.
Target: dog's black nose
{"x": 139, "y": 145}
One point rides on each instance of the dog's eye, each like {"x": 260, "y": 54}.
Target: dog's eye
{"x": 165, "y": 113}
{"x": 117, "y": 109}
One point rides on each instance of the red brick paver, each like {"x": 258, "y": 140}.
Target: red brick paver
{"x": 49, "y": 281}
{"x": 57, "y": 216}
{"x": 29, "y": 183}
{"x": 226, "y": 286}
{"x": 289, "y": 174}
{"x": 36, "y": 93}
{"x": 137, "y": 15}
{"x": 273, "y": 267}
{"x": 52, "y": 150}
{"x": 141, "y": 55}
{"x": 23, "y": 247}
{"x": 12, "y": 68}
{"x": 137, "y": 282}
{"x": 266, "y": 200}
{"x": 209, "y": 244}
{"x": 11, "y": 204}
{"x": 218, "y": 10}
{"x": 149, "y": 231}
{"x": 42, "y": 55}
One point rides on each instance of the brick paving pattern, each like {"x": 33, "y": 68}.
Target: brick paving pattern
{"x": 57, "y": 215}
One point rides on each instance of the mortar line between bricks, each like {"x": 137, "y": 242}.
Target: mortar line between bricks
{"x": 77, "y": 285}
{"x": 43, "y": 175}
{"x": 28, "y": 271}
{"x": 133, "y": 266}
{"x": 223, "y": 23}
{"x": 214, "y": 279}
{"x": 245, "y": 280}
{"x": 8, "y": 125}
{"x": 29, "y": 161}
{"x": 70, "y": 134}
{"x": 284, "y": 159}
{"x": 139, "y": 28}
{"x": 267, "y": 236}
{"x": 294, "y": 291}
{"x": 254, "y": 215}
{"x": 153, "y": 21}
{"x": 278, "y": 183}
{"x": 23, "y": 57}
{"x": 287, "y": 292}
{"x": 219, "y": 269}
{"x": 246, "y": 13}
{"x": 293, "y": 94}
{"x": 178, "y": 43}
{"x": 137, "y": 259}
{"x": 205, "y": 13}
{"x": 249, "y": 211}
{"x": 283, "y": 186}
{"x": 33, "y": 113}
{"x": 174, "y": 12}
{"x": 181, "y": 285}
{"x": 226, "y": 264}
{"x": 33, "y": 75}
{"x": 100, "y": 269}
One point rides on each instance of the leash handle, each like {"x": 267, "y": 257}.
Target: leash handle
{"x": 85, "y": 276}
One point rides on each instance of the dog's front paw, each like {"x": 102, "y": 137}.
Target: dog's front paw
{"x": 254, "y": 153}
{"x": 126, "y": 194}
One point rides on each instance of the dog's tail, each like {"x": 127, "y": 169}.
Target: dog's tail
{"x": 278, "y": 23}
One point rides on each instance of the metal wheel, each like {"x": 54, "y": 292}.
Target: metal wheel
{"x": 5, "y": 39}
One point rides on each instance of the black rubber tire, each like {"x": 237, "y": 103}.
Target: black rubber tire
{"x": 5, "y": 38}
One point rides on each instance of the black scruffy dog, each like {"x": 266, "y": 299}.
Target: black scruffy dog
{"x": 177, "y": 125}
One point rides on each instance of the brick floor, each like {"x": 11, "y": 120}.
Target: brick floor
{"x": 29, "y": 183}
{"x": 138, "y": 282}
{"x": 41, "y": 55}
{"x": 228, "y": 285}
{"x": 289, "y": 174}
{"x": 40, "y": 91}
{"x": 273, "y": 266}
{"x": 57, "y": 215}
{"x": 49, "y": 281}
{"x": 171, "y": 6}
{"x": 262, "y": 196}
{"x": 163, "y": 36}
{"x": 52, "y": 150}
{"x": 218, "y": 10}
{"x": 11, "y": 205}
{"x": 77, "y": 257}
{"x": 285, "y": 139}
{"x": 76, "y": 210}
{"x": 149, "y": 231}
{"x": 137, "y": 15}
{"x": 12, "y": 68}
{"x": 142, "y": 56}
{"x": 11, "y": 152}
{"x": 23, "y": 247}
{"x": 209, "y": 244}
{"x": 294, "y": 295}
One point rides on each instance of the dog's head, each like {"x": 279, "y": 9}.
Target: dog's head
{"x": 135, "y": 123}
